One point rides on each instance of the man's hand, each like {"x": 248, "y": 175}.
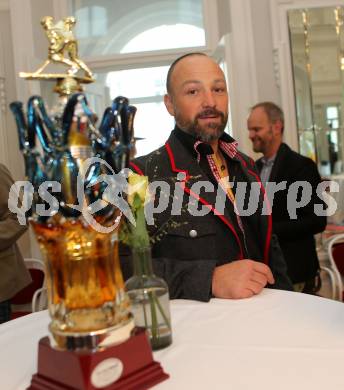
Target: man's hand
{"x": 240, "y": 279}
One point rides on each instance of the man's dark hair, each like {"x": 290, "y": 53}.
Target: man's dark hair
{"x": 174, "y": 63}
{"x": 272, "y": 110}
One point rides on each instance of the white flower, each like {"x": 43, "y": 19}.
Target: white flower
{"x": 138, "y": 184}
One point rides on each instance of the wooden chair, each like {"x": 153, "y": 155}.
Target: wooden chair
{"x": 333, "y": 282}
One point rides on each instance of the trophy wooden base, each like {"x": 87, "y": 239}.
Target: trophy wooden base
{"x": 125, "y": 366}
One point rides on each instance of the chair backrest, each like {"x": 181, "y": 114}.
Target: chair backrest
{"x": 333, "y": 284}
{"x": 37, "y": 272}
{"x": 39, "y": 300}
{"x": 338, "y": 255}
{"x": 335, "y": 251}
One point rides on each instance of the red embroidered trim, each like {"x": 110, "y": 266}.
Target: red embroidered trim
{"x": 136, "y": 168}
{"x": 203, "y": 201}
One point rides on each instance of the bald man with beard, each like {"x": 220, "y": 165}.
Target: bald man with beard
{"x": 218, "y": 253}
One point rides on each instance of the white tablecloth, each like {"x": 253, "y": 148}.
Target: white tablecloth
{"x": 277, "y": 340}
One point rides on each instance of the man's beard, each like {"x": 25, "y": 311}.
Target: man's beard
{"x": 263, "y": 144}
{"x": 257, "y": 148}
{"x": 206, "y": 133}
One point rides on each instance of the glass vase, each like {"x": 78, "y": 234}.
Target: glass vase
{"x": 149, "y": 300}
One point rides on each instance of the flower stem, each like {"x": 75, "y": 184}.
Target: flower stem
{"x": 144, "y": 310}
{"x": 167, "y": 322}
{"x": 154, "y": 328}
{"x": 140, "y": 237}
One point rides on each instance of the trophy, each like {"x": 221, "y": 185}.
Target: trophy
{"x": 75, "y": 180}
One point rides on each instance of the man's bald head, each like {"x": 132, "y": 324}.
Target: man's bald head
{"x": 173, "y": 65}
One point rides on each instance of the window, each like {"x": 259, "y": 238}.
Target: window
{"x": 109, "y": 27}
{"x": 332, "y": 117}
{"x": 130, "y": 45}
{"x": 92, "y": 22}
{"x": 145, "y": 88}
{"x": 168, "y": 37}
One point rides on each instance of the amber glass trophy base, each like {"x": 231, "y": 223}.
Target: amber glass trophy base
{"x": 125, "y": 366}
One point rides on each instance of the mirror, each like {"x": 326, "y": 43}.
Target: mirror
{"x": 317, "y": 51}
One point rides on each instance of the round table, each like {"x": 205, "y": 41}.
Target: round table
{"x": 275, "y": 340}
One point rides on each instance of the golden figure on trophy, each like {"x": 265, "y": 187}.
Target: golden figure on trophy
{"x": 63, "y": 49}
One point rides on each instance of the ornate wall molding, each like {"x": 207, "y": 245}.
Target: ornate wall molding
{"x": 276, "y": 66}
{"x": 3, "y": 102}
{"x": 3, "y": 134}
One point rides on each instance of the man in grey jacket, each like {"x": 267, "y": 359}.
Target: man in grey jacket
{"x": 280, "y": 164}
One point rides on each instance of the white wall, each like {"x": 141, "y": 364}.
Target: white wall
{"x": 251, "y": 59}
{"x": 267, "y": 88}
{"x": 9, "y": 150}
{"x": 10, "y": 155}
{"x": 22, "y": 48}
